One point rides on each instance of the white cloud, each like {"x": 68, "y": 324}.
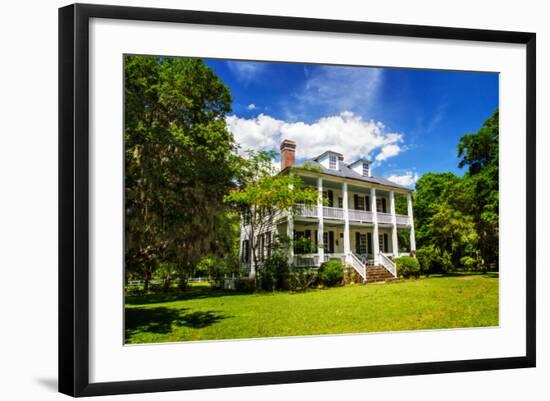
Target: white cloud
{"x": 408, "y": 179}
{"x": 346, "y": 133}
{"x": 387, "y": 152}
{"x": 246, "y": 70}
{"x": 251, "y": 106}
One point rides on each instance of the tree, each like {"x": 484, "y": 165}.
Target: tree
{"x": 262, "y": 194}
{"x": 431, "y": 191}
{"x": 179, "y": 160}
{"x": 479, "y": 151}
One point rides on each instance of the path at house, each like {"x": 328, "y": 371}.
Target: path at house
{"x": 206, "y": 314}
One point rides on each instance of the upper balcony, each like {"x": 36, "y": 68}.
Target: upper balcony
{"x": 356, "y": 216}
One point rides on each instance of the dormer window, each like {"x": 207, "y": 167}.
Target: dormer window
{"x": 332, "y": 162}
{"x": 366, "y": 170}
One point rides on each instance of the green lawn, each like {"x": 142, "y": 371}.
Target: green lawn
{"x": 205, "y": 314}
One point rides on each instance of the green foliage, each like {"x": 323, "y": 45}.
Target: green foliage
{"x": 331, "y": 273}
{"x": 407, "y": 266}
{"x": 457, "y": 217}
{"x": 216, "y": 268}
{"x": 244, "y": 284}
{"x": 468, "y": 262}
{"x": 301, "y": 278}
{"x": 432, "y": 260}
{"x": 261, "y": 193}
{"x": 351, "y": 276}
{"x": 179, "y": 164}
{"x": 273, "y": 275}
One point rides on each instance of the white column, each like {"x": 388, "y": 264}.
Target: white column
{"x": 290, "y": 235}
{"x": 394, "y": 244}
{"x": 411, "y": 222}
{"x": 320, "y": 244}
{"x": 375, "y": 244}
{"x": 347, "y": 247}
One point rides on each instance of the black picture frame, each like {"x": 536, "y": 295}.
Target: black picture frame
{"x": 74, "y": 198}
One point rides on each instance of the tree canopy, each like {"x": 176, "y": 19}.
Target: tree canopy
{"x": 180, "y": 163}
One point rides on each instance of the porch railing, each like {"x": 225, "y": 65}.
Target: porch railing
{"x": 309, "y": 260}
{"x": 315, "y": 260}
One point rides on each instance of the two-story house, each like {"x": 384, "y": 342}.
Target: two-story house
{"x": 355, "y": 219}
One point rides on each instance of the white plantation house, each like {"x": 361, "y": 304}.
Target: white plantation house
{"x": 354, "y": 219}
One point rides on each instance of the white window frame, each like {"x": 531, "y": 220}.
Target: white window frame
{"x": 332, "y": 162}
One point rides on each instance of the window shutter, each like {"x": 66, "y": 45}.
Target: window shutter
{"x": 357, "y": 241}
{"x": 330, "y": 199}
{"x": 316, "y": 242}
{"x": 331, "y": 242}
{"x": 369, "y": 243}
{"x": 355, "y": 201}
{"x": 384, "y": 205}
{"x": 385, "y": 242}
{"x": 367, "y": 203}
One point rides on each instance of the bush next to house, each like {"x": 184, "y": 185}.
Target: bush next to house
{"x": 273, "y": 275}
{"x": 301, "y": 278}
{"x": 331, "y": 273}
{"x": 351, "y": 276}
{"x": 407, "y": 266}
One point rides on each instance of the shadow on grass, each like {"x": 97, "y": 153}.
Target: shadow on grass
{"x": 161, "y": 320}
{"x": 179, "y": 295}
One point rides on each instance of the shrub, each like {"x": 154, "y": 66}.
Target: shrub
{"x": 273, "y": 275}
{"x": 301, "y": 278}
{"x": 331, "y": 273}
{"x": 468, "y": 262}
{"x": 351, "y": 276}
{"x": 407, "y": 266}
{"x": 244, "y": 284}
{"x": 433, "y": 261}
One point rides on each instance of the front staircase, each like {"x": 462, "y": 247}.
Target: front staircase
{"x": 370, "y": 273}
{"x": 378, "y": 274}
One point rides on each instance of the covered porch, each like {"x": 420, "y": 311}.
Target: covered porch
{"x": 308, "y": 251}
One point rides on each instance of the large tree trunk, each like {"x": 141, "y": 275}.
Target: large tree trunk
{"x": 146, "y": 282}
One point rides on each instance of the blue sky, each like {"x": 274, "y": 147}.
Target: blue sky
{"x": 407, "y": 121}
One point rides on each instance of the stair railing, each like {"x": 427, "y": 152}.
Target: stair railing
{"x": 388, "y": 264}
{"x": 358, "y": 265}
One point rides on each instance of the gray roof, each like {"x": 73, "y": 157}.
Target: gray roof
{"x": 345, "y": 172}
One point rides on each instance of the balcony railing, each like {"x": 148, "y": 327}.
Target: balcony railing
{"x": 385, "y": 218}
{"x": 337, "y": 213}
{"x": 333, "y": 213}
{"x": 402, "y": 220}
{"x": 306, "y": 211}
{"x": 360, "y": 215}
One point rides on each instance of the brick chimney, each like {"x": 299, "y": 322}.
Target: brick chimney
{"x": 288, "y": 152}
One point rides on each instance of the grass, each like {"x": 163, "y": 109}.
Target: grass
{"x": 201, "y": 313}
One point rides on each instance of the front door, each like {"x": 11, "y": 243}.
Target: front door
{"x": 328, "y": 241}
